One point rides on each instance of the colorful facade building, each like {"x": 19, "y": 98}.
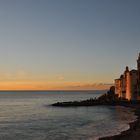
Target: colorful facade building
{"x": 128, "y": 85}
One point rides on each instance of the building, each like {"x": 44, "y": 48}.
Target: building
{"x": 118, "y": 87}
{"x": 128, "y": 85}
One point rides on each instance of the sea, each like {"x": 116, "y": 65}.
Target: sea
{"x": 30, "y": 116}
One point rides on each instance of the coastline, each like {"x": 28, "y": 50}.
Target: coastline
{"x": 133, "y": 133}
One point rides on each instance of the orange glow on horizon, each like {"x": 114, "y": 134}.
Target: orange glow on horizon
{"x": 32, "y": 85}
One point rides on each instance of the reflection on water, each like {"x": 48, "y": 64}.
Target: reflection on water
{"x": 27, "y": 115}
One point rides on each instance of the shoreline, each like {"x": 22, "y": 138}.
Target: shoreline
{"x": 133, "y": 133}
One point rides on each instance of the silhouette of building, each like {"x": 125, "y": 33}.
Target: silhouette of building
{"x": 138, "y": 79}
{"x": 128, "y": 85}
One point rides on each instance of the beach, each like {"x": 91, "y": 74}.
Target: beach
{"x": 133, "y": 133}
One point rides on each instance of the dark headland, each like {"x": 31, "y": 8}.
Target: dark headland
{"x": 109, "y": 98}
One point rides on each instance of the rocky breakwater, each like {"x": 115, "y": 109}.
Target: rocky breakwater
{"x": 108, "y": 98}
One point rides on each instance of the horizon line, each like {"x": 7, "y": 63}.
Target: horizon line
{"x": 49, "y": 90}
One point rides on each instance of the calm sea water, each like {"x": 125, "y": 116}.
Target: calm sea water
{"x": 29, "y": 116}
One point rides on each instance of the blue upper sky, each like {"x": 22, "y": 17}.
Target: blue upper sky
{"x": 87, "y": 41}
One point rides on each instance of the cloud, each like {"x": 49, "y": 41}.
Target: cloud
{"x": 92, "y": 86}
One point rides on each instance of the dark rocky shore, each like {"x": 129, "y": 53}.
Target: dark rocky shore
{"x": 109, "y": 98}
{"x": 105, "y": 99}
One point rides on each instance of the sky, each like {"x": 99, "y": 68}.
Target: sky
{"x": 67, "y": 44}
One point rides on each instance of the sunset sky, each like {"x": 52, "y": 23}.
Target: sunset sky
{"x": 67, "y": 44}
